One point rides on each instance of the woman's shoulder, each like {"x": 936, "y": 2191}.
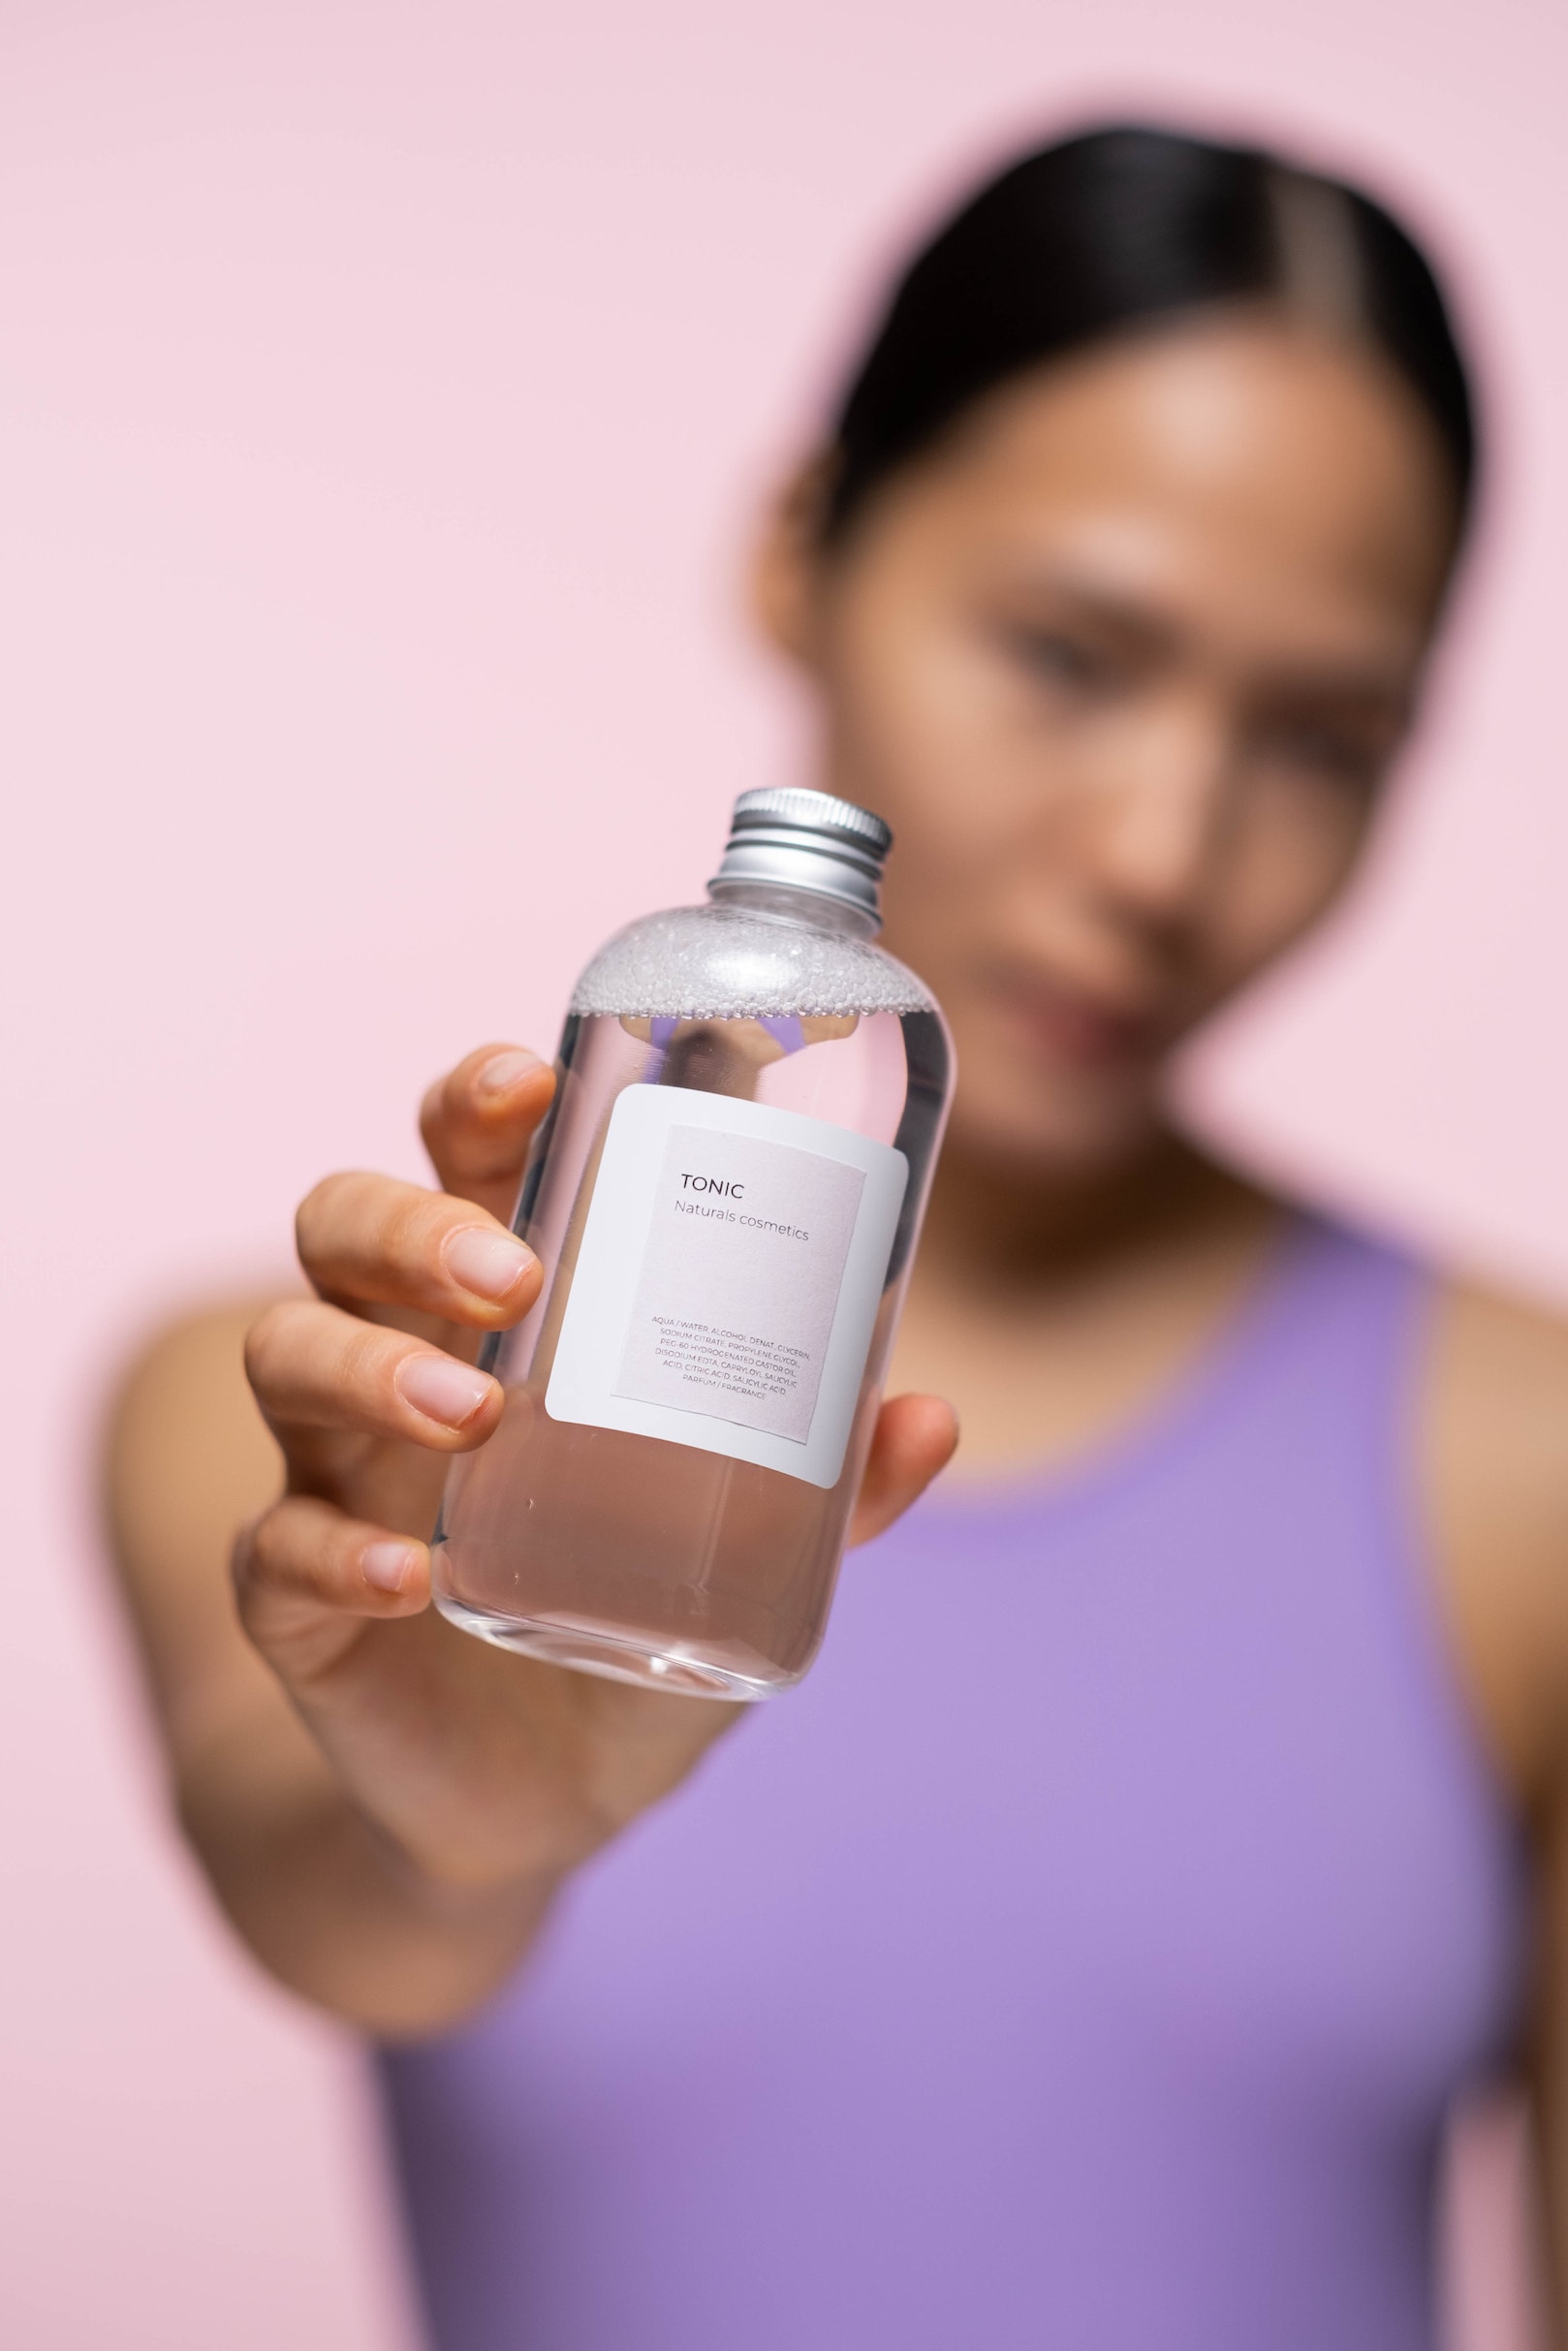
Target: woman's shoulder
{"x": 1501, "y": 1339}
{"x": 1486, "y": 1420}
{"x": 1496, "y": 1422}
{"x": 1493, "y": 1346}
{"x": 185, "y": 1449}
{"x": 1492, "y": 1432}
{"x": 187, "y": 1367}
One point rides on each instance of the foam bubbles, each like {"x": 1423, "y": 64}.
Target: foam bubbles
{"x": 727, "y": 963}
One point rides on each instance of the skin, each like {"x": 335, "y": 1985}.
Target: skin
{"x": 1124, "y": 660}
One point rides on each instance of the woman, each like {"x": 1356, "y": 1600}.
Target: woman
{"x": 1086, "y": 1954}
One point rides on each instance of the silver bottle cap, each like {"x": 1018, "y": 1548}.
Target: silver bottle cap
{"x": 806, "y": 840}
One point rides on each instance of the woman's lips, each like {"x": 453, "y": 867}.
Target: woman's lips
{"x": 1074, "y": 1026}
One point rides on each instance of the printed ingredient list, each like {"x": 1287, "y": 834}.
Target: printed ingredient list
{"x": 740, "y": 1280}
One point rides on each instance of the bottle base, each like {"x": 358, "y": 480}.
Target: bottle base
{"x": 586, "y": 1648}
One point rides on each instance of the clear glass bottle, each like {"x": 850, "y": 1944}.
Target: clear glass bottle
{"x": 725, "y": 1197}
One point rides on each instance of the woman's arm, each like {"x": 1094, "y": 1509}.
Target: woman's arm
{"x": 323, "y": 1900}
{"x": 384, "y": 1806}
{"x": 1495, "y": 1473}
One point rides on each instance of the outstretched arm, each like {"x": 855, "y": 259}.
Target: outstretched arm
{"x": 1496, "y": 1471}
{"x": 383, "y": 1806}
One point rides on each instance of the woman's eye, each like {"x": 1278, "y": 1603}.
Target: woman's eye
{"x": 1330, "y": 752}
{"x": 1061, "y": 660}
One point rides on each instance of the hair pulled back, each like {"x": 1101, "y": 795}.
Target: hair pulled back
{"x": 1119, "y": 227}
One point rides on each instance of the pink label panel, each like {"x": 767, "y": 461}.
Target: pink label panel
{"x": 740, "y": 1280}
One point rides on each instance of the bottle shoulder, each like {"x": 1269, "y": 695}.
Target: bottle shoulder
{"x": 732, "y": 963}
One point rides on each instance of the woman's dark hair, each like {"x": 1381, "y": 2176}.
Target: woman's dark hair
{"x": 1109, "y": 229}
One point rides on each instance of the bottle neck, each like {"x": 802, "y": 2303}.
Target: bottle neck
{"x": 794, "y": 902}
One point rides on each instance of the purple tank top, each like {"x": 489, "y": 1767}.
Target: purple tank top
{"x": 1082, "y": 1958}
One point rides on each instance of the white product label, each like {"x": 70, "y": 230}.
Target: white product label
{"x": 729, "y": 1279}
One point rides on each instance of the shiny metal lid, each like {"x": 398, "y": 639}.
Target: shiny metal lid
{"x": 806, "y": 840}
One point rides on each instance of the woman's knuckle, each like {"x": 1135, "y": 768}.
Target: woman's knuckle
{"x": 265, "y": 1342}
{"x": 433, "y": 1113}
{"x": 311, "y": 1215}
{"x": 243, "y": 1555}
{"x": 253, "y": 1562}
{"x": 408, "y": 1223}
{"x": 330, "y": 1213}
{"x": 368, "y": 1362}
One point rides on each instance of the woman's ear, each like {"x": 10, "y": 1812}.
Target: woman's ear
{"x": 787, "y": 563}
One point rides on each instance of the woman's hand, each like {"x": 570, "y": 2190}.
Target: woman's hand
{"x": 490, "y": 1774}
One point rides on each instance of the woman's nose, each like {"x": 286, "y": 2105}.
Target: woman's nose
{"x": 1155, "y": 816}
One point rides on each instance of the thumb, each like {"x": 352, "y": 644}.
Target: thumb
{"x": 916, "y": 1436}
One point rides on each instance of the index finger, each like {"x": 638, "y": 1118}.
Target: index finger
{"x": 479, "y": 1120}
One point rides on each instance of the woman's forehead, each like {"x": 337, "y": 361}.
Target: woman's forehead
{"x": 1242, "y": 453}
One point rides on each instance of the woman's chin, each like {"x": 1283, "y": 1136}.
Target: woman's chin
{"x": 1072, "y": 1135}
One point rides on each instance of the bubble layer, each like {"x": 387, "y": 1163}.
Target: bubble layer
{"x": 730, "y": 963}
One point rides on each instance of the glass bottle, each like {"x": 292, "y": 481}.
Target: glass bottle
{"x": 724, "y": 1196}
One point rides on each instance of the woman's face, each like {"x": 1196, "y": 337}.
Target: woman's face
{"x": 1122, "y": 663}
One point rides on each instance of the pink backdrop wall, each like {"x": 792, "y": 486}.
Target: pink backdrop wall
{"x": 384, "y": 389}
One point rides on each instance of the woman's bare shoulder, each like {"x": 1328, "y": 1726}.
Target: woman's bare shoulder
{"x": 187, "y": 1457}
{"x": 1499, "y": 1373}
{"x": 1494, "y": 1469}
{"x": 190, "y": 1344}
{"x": 186, "y": 1380}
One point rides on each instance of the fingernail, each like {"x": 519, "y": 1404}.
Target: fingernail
{"x": 387, "y": 1565}
{"x": 442, "y": 1388}
{"x": 503, "y": 1071}
{"x": 490, "y": 1263}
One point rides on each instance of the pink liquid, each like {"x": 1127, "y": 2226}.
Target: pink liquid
{"x": 629, "y": 1556}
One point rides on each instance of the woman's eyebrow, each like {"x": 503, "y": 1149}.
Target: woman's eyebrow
{"x": 1123, "y": 610}
{"x": 1143, "y": 623}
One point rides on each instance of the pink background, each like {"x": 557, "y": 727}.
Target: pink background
{"x": 384, "y": 391}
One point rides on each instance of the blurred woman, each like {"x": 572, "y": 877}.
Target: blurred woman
{"x": 1088, "y": 1954}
